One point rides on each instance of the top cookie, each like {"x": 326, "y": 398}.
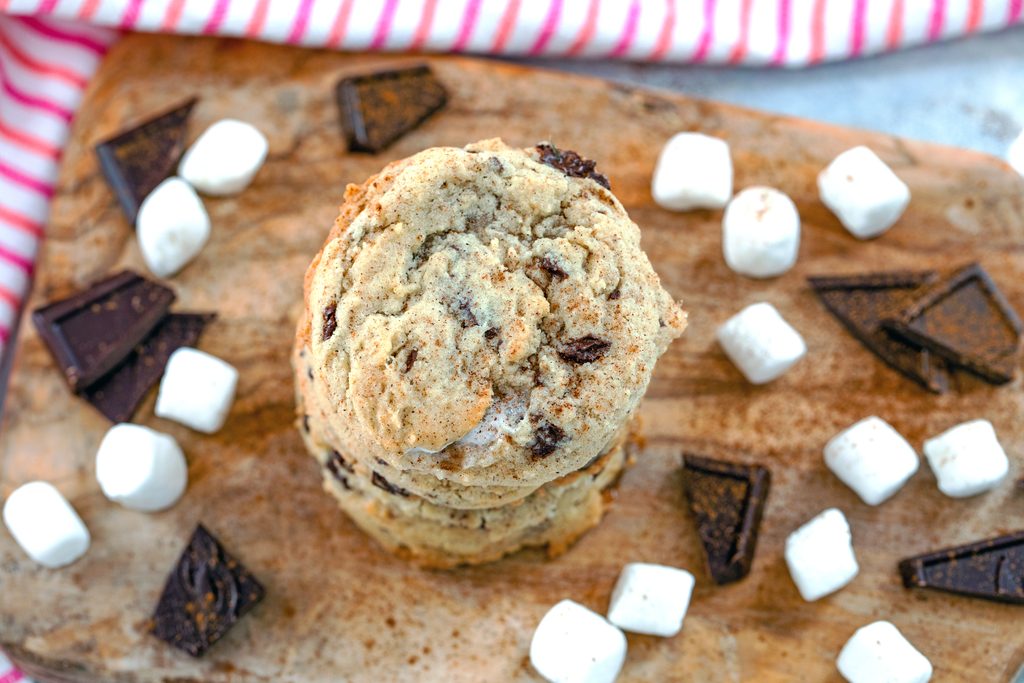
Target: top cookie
{"x": 484, "y": 317}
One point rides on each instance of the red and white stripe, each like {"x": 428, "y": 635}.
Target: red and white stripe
{"x": 48, "y": 53}
{"x": 8, "y": 674}
{"x": 45, "y": 65}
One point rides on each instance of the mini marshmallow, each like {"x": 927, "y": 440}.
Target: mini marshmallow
{"x": 225, "y": 158}
{"x": 45, "y": 525}
{"x": 172, "y": 227}
{"x": 197, "y": 390}
{"x": 760, "y": 232}
{"x": 967, "y": 459}
{"x": 574, "y": 645}
{"x": 694, "y": 171}
{"x": 878, "y": 653}
{"x": 820, "y": 555}
{"x": 1015, "y": 155}
{"x": 872, "y": 459}
{"x": 863, "y": 193}
{"x": 141, "y": 468}
{"x": 761, "y": 344}
{"x": 651, "y": 599}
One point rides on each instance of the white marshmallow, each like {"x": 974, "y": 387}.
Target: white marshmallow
{"x": 967, "y": 459}
{"x": 172, "y": 227}
{"x": 574, "y": 645}
{"x": 197, "y": 390}
{"x": 141, "y": 468}
{"x": 820, "y": 555}
{"x": 651, "y": 599}
{"x": 878, "y": 653}
{"x": 1015, "y": 155}
{"x": 45, "y": 525}
{"x": 761, "y": 344}
{"x": 871, "y": 458}
{"x": 863, "y": 193}
{"x": 760, "y": 232}
{"x": 225, "y": 158}
{"x": 694, "y": 171}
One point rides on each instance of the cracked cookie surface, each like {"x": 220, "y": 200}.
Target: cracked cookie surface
{"x": 482, "y": 317}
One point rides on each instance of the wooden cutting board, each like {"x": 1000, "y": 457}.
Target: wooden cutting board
{"x": 338, "y": 608}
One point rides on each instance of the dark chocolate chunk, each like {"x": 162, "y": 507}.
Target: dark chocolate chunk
{"x": 330, "y": 322}
{"x": 862, "y": 302}
{"x": 91, "y": 332}
{"x": 337, "y": 465}
{"x": 992, "y": 569}
{"x": 584, "y": 350}
{"x": 727, "y": 499}
{"x": 119, "y": 394}
{"x": 551, "y": 266}
{"x": 966, "y": 320}
{"x": 205, "y": 595}
{"x": 382, "y": 483}
{"x": 465, "y": 314}
{"x": 571, "y": 164}
{"x": 615, "y": 295}
{"x": 137, "y": 160}
{"x": 491, "y": 333}
{"x": 546, "y": 439}
{"x": 410, "y": 360}
{"x": 378, "y": 108}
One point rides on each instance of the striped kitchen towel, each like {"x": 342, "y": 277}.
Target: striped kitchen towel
{"x": 8, "y": 674}
{"x": 49, "y": 48}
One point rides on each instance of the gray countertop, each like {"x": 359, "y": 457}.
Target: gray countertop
{"x": 966, "y": 93}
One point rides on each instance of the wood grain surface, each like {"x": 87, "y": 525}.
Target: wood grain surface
{"x": 340, "y": 609}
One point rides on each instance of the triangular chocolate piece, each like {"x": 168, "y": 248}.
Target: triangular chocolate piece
{"x": 119, "y": 394}
{"x": 968, "y": 321}
{"x": 92, "y": 332}
{"x": 378, "y": 108}
{"x": 206, "y": 593}
{"x": 136, "y": 161}
{"x": 727, "y": 499}
{"x": 992, "y": 569}
{"x": 862, "y": 302}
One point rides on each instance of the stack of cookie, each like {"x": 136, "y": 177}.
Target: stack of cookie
{"x": 478, "y": 331}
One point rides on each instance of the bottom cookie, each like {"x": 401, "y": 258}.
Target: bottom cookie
{"x": 431, "y": 535}
{"x": 432, "y": 543}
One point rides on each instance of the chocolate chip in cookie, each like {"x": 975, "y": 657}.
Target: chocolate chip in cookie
{"x": 551, "y": 266}
{"x": 382, "y": 483}
{"x": 338, "y": 466}
{"x": 546, "y": 439}
{"x": 330, "y": 322}
{"x": 584, "y": 350}
{"x": 464, "y": 311}
{"x": 571, "y": 164}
